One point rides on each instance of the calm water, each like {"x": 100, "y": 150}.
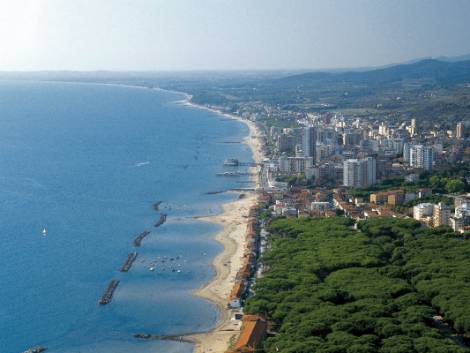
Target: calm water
{"x": 87, "y": 162}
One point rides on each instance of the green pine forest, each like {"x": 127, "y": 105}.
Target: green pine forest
{"x": 332, "y": 288}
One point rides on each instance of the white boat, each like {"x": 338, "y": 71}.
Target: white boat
{"x": 231, "y": 162}
{"x": 151, "y": 268}
{"x": 44, "y": 232}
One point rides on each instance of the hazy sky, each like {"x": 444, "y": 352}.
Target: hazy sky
{"x": 227, "y": 34}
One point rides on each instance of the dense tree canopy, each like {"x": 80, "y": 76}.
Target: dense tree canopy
{"x": 333, "y": 288}
{"x": 443, "y": 182}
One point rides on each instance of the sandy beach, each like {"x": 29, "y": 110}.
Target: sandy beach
{"x": 233, "y": 219}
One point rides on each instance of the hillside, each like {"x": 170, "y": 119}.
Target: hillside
{"x": 429, "y": 71}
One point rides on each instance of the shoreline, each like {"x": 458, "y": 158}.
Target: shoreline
{"x": 234, "y": 220}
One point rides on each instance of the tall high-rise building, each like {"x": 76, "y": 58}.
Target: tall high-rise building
{"x": 370, "y": 166}
{"x": 285, "y": 143}
{"x": 460, "y": 130}
{"x": 406, "y": 151}
{"x": 359, "y": 172}
{"x": 441, "y": 215}
{"x": 397, "y": 144}
{"x": 309, "y": 142}
{"x": 383, "y": 129}
{"x": 421, "y": 157}
{"x": 352, "y": 137}
{"x": 351, "y": 172}
{"x": 413, "y": 127}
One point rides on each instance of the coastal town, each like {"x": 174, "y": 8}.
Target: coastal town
{"x": 235, "y": 176}
{"x": 334, "y": 165}
{"x": 327, "y": 166}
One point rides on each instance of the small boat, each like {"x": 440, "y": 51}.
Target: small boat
{"x": 35, "y": 350}
{"x": 151, "y": 268}
{"x": 231, "y": 174}
{"x": 44, "y": 232}
{"x": 231, "y": 162}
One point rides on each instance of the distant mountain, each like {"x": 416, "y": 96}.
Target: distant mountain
{"x": 429, "y": 71}
{"x": 453, "y": 59}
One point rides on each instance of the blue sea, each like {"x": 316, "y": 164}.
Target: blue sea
{"x": 87, "y": 162}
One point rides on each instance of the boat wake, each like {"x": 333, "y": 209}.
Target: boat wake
{"x": 141, "y": 164}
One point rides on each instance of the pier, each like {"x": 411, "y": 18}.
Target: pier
{"x": 215, "y": 192}
{"x": 178, "y": 338}
{"x": 233, "y": 162}
{"x": 108, "y": 294}
{"x": 156, "y": 205}
{"x": 129, "y": 261}
{"x": 234, "y": 174}
{"x": 160, "y": 221}
{"x": 140, "y": 237}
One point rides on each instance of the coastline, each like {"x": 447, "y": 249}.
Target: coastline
{"x": 234, "y": 220}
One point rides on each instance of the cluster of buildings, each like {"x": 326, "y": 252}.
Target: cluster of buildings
{"x": 245, "y": 273}
{"x": 334, "y": 155}
{"x": 398, "y": 196}
{"x": 441, "y": 214}
{"x": 254, "y": 327}
{"x": 334, "y": 150}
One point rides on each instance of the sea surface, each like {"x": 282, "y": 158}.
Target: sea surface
{"x": 86, "y": 162}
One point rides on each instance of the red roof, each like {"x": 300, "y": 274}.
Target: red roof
{"x": 252, "y": 333}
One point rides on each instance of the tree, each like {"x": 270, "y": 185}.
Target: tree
{"x": 454, "y": 186}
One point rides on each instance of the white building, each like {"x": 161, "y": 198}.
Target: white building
{"x": 463, "y": 210}
{"x": 461, "y": 218}
{"x": 460, "y": 130}
{"x": 359, "y": 173}
{"x": 441, "y": 215}
{"x": 421, "y": 157}
{"x": 295, "y": 165}
{"x": 413, "y": 127}
{"x": 422, "y": 211}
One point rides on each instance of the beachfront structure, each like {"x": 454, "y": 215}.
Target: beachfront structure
{"x": 238, "y": 291}
{"x": 242, "y": 279}
{"x": 253, "y": 332}
{"x": 295, "y": 165}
